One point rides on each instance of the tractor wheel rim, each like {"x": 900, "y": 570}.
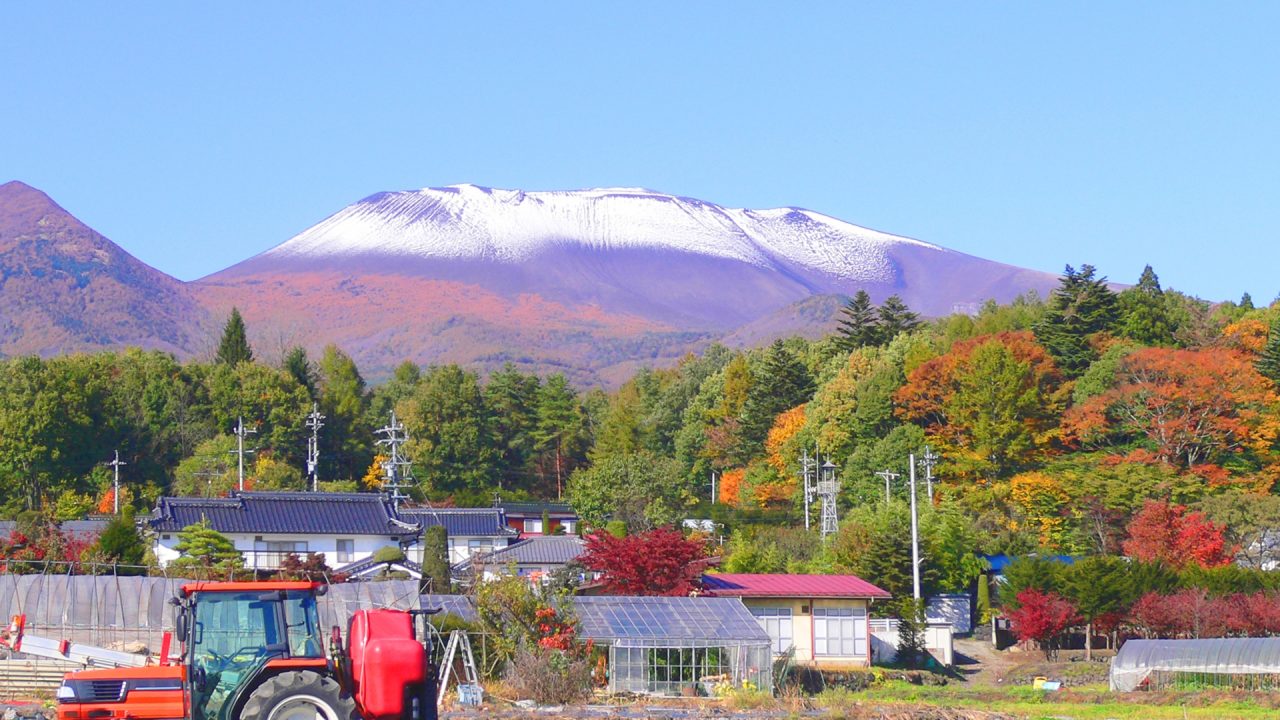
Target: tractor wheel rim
{"x": 303, "y": 707}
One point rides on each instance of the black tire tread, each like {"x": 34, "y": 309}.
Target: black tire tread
{"x": 277, "y": 689}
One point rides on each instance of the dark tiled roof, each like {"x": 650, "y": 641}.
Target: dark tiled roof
{"x": 543, "y": 550}
{"x": 299, "y": 513}
{"x": 361, "y": 567}
{"x": 534, "y": 509}
{"x": 462, "y": 521}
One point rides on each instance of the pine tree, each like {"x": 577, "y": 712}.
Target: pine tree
{"x": 435, "y": 561}
{"x": 859, "y": 326}
{"x": 234, "y": 347}
{"x": 203, "y": 547}
{"x": 1246, "y": 302}
{"x": 1268, "y": 363}
{"x": 1144, "y": 311}
{"x": 781, "y": 382}
{"x": 1080, "y": 306}
{"x": 301, "y": 370}
{"x": 895, "y": 318}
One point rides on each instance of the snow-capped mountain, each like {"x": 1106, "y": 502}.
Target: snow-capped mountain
{"x": 679, "y": 261}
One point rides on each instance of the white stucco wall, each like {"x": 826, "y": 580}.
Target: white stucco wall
{"x": 364, "y": 546}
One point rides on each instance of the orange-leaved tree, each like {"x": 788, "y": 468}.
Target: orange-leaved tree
{"x": 1168, "y": 533}
{"x": 1193, "y": 408}
{"x": 992, "y": 402}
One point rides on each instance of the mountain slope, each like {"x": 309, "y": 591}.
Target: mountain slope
{"x": 64, "y": 287}
{"x": 672, "y": 259}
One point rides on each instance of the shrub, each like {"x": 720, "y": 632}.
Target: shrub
{"x": 549, "y": 677}
{"x": 1043, "y": 617}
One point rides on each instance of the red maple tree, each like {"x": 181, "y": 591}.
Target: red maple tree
{"x": 1043, "y": 617}
{"x": 658, "y": 562}
{"x": 1168, "y": 533}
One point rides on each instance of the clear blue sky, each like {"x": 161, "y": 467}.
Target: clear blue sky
{"x": 1038, "y": 134}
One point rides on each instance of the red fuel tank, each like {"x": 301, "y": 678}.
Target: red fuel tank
{"x": 385, "y": 661}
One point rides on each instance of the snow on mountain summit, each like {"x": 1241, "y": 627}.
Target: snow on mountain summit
{"x": 470, "y": 222}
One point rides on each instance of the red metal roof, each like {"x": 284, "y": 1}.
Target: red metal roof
{"x": 797, "y": 586}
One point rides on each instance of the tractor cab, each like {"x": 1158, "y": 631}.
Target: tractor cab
{"x": 234, "y": 633}
{"x": 256, "y": 651}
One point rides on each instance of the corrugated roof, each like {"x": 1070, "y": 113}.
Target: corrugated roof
{"x": 674, "y": 620}
{"x": 541, "y": 550}
{"x": 778, "y": 585}
{"x": 462, "y": 521}
{"x": 296, "y": 513}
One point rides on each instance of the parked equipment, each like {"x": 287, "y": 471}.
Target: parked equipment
{"x": 255, "y": 651}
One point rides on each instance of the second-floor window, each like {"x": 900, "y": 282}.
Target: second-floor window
{"x": 479, "y": 545}
{"x": 533, "y": 526}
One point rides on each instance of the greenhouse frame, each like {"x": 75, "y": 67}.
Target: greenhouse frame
{"x": 677, "y": 645}
{"x": 1233, "y": 663}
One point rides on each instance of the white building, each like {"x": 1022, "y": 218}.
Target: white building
{"x": 347, "y": 528}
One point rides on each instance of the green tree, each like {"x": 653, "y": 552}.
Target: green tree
{"x": 234, "y": 348}
{"x": 435, "y": 561}
{"x": 404, "y": 379}
{"x": 558, "y": 429}
{"x": 912, "y": 624}
{"x": 1098, "y": 586}
{"x": 1144, "y": 313}
{"x": 346, "y": 443}
{"x": 1027, "y": 573}
{"x": 512, "y": 400}
{"x": 996, "y": 398}
{"x": 895, "y": 317}
{"x": 1079, "y": 307}
{"x": 120, "y": 543}
{"x": 210, "y": 471}
{"x": 781, "y": 382}
{"x": 1268, "y": 362}
{"x": 859, "y": 326}
{"x": 302, "y": 371}
{"x": 640, "y": 489}
{"x": 451, "y": 440}
{"x": 202, "y": 547}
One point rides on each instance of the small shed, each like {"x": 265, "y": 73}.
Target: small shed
{"x": 1236, "y": 663}
{"x": 677, "y": 645}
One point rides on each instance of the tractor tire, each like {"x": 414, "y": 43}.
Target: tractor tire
{"x": 299, "y": 695}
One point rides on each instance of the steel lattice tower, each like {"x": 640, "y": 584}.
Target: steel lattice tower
{"x": 396, "y": 474}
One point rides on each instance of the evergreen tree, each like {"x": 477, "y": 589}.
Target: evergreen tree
{"x": 512, "y": 399}
{"x": 203, "y": 547}
{"x": 121, "y": 543}
{"x": 301, "y": 370}
{"x": 1144, "y": 312}
{"x": 435, "y": 561}
{"x": 781, "y": 382}
{"x": 1246, "y": 302}
{"x": 859, "y": 326}
{"x": 558, "y": 427}
{"x": 234, "y": 347}
{"x": 1269, "y": 361}
{"x": 896, "y": 317}
{"x": 1080, "y": 306}
{"x": 346, "y": 444}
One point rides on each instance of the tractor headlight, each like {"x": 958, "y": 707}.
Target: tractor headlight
{"x": 66, "y": 693}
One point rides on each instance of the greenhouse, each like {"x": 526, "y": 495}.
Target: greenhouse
{"x": 677, "y": 645}
{"x": 1234, "y": 663}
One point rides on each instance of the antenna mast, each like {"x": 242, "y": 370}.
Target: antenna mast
{"x": 828, "y": 489}
{"x": 315, "y": 421}
{"x": 809, "y": 479}
{"x": 396, "y": 475}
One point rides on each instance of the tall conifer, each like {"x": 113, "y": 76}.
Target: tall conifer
{"x": 858, "y": 326}
{"x": 1079, "y": 307}
{"x": 234, "y": 347}
{"x": 1269, "y": 361}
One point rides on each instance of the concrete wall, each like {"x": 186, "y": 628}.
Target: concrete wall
{"x": 884, "y": 642}
{"x": 257, "y": 555}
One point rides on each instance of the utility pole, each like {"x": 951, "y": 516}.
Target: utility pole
{"x": 395, "y": 469}
{"x": 888, "y": 477}
{"x": 828, "y": 489}
{"x": 808, "y": 467}
{"x": 929, "y": 460}
{"x": 241, "y": 432}
{"x": 915, "y": 534}
{"x": 315, "y": 421}
{"x": 115, "y": 485}
{"x": 714, "y": 497}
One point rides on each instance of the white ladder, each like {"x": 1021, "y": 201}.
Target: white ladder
{"x": 457, "y": 639}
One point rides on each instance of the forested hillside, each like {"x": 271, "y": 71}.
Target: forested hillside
{"x": 1056, "y": 421}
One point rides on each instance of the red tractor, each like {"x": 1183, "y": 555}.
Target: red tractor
{"x": 255, "y": 651}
